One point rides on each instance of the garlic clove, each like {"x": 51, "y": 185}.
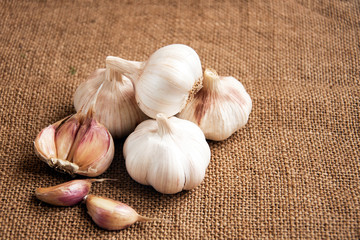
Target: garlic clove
{"x": 112, "y": 215}
{"x": 116, "y": 107}
{"x": 66, "y": 194}
{"x": 167, "y": 174}
{"x": 170, "y": 154}
{"x": 166, "y": 81}
{"x": 97, "y": 150}
{"x": 88, "y": 151}
{"x": 65, "y": 137}
{"x": 193, "y": 175}
{"x": 220, "y": 108}
{"x": 45, "y": 143}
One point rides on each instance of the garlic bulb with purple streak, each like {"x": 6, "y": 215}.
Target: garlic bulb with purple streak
{"x": 220, "y": 108}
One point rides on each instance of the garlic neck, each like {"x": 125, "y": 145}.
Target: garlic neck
{"x": 131, "y": 69}
{"x": 112, "y": 75}
{"x": 211, "y": 80}
{"x": 164, "y": 127}
{"x": 92, "y": 109}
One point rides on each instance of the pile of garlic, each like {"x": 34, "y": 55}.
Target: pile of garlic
{"x": 168, "y": 107}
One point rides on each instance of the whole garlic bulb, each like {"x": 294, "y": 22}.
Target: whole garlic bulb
{"x": 220, "y": 108}
{"x": 116, "y": 106}
{"x": 166, "y": 81}
{"x": 170, "y": 154}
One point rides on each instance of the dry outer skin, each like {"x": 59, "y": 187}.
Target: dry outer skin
{"x": 195, "y": 89}
{"x": 291, "y": 173}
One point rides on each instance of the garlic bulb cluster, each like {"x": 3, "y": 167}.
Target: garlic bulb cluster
{"x": 78, "y": 144}
{"x": 220, "y": 108}
{"x": 170, "y": 154}
{"x": 166, "y": 81}
{"x": 116, "y": 107}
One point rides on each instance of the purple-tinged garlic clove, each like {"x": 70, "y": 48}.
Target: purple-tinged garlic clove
{"x": 112, "y": 215}
{"x": 66, "y": 194}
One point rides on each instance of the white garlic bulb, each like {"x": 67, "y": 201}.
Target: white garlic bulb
{"x": 220, "y": 108}
{"x": 166, "y": 81}
{"x": 170, "y": 154}
{"x": 116, "y": 107}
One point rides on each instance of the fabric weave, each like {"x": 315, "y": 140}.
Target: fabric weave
{"x": 291, "y": 172}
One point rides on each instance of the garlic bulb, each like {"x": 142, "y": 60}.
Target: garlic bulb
{"x": 77, "y": 144}
{"x": 116, "y": 105}
{"x": 168, "y": 154}
{"x": 220, "y": 108}
{"x": 166, "y": 81}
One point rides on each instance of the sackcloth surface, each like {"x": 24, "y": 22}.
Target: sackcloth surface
{"x": 291, "y": 173}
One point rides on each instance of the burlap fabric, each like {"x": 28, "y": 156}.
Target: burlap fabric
{"x": 292, "y": 172}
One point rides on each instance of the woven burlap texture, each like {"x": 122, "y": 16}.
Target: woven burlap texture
{"x": 291, "y": 172}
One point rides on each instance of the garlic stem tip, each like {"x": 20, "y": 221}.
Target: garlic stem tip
{"x": 210, "y": 73}
{"x": 148, "y": 219}
{"x": 163, "y": 124}
{"x": 103, "y": 179}
{"x": 160, "y": 115}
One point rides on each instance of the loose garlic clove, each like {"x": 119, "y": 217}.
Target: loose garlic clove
{"x": 168, "y": 154}
{"x": 220, "y": 108}
{"x": 116, "y": 105}
{"x": 77, "y": 144}
{"x": 66, "y": 194}
{"x": 112, "y": 215}
{"x": 166, "y": 81}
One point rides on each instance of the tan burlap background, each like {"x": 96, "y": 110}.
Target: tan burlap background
{"x": 292, "y": 172}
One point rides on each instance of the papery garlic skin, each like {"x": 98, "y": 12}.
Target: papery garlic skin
{"x": 77, "y": 144}
{"x": 116, "y": 106}
{"x": 166, "y": 81}
{"x": 170, "y": 154}
{"x": 112, "y": 215}
{"x": 220, "y": 108}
